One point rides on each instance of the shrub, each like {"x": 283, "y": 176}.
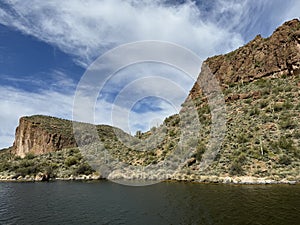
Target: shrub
{"x": 172, "y": 133}
{"x": 287, "y": 105}
{"x": 242, "y": 138}
{"x": 236, "y": 168}
{"x": 285, "y": 160}
{"x": 286, "y": 143}
{"x": 200, "y": 151}
{"x": 49, "y": 172}
{"x": 17, "y": 158}
{"x": 263, "y": 103}
{"x": 254, "y": 111}
{"x": 71, "y": 160}
{"x": 287, "y": 123}
{"x": 242, "y": 158}
{"x": 85, "y": 169}
{"x": 29, "y": 155}
{"x": 4, "y": 166}
{"x": 27, "y": 169}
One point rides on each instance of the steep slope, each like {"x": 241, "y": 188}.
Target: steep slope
{"x": 260, "y": 83}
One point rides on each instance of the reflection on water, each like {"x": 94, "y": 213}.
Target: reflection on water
{"x": 105, "y": 202}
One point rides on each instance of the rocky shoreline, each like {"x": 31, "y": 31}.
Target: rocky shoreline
{"x": 248, "y": 180}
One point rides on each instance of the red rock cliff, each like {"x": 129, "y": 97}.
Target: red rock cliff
{"x": 41, "y": 134}
{"x": 279, "y": 54}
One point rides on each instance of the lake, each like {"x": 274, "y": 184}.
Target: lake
{"x": 105, "y": 202}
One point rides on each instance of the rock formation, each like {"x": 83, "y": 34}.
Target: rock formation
{"x": 41, "y": 134}
{"x": 262, "y": 57}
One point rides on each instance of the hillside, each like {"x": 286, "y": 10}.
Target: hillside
{"x": 259, "y": 85}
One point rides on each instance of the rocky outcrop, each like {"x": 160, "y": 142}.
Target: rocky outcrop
{"x": 38, "y": 135}
{"x": 273, "y": 56}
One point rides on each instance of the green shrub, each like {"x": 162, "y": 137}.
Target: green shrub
{"x": 236, "y": 168}
{"x": 287, "y": 105}
{"x": 263, "y": 104}
{"x": 29, "y": 155}
{"x": 200, "y": 151}
{"x": 172, "y": 133}
{"x": 287, "y": 123}
{"x": 30, "y": 169}
{"x": 4, "y": 166}
{"x": 242, "y": 158}
{"x": 285, "y": 160}
{"x": 71, "y": 160}
{"x": 84, "y": 169}
{"x": 254, "y": 111}
{"x": 49, "y": 171}
{"x": 17, "y": 158}
{"x": 242, "y": 138}
{"x": 286, "y": 143}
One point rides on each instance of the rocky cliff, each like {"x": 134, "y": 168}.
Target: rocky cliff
{"x": 42, "y": 134}
{"x": 262, "y": 57}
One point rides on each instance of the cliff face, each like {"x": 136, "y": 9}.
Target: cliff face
{"x": 39, "y": 134}
{"x": 262, "y": 57}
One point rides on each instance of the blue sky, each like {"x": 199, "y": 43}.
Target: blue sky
{"x": 46, "y": 46}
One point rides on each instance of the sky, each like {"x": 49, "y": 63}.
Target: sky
{"x": 47, "y": 46}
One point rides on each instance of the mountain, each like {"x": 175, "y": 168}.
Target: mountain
{"x": 240, "y": 123}
{"x": 260, "y": 83}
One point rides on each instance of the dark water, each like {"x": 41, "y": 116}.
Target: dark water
{"x": 164, "y": 203}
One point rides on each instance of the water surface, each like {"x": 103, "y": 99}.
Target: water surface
{"x": 106, "y": 202}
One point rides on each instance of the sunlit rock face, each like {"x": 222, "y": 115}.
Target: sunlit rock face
{"x": 41, "y": 134}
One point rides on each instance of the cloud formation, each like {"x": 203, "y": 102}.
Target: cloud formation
{"x": 87, "y": 29}
{"x": 16, "y": 103}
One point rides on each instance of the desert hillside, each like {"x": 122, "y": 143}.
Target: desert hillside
{"x": 260, "y": 87}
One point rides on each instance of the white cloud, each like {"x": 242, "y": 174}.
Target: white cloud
{"x": 87, "y": 28}
{"x": 16, "y": 103}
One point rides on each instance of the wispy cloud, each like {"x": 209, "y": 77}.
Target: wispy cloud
{"x": 86, "y": 29}
{"x": 16, "y": 103}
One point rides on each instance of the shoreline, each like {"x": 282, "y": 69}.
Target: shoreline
{"x": 244, "y": 180}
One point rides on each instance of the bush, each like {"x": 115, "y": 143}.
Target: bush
{"x": 236, "y": 168}
{"x": 49, "y": 172}
{"x": 254, "y": 111}
{"x": 70, "y": 161}
{"x": 286, "y": 143}
{"x": 287, "y": 123}
{"x": 30, "y": 169}
{"x": 200, "y": 151}
{"x": 4, "y": 166}
{"x": 242, "y": 138}
{"x": 263, "y": 104}
{"x": 285, "y": 160}
{"x": 242, "y": 158}
{"x": 172, "y": 133}
{"x": 29, "y": 155}
{"x": 84, "y": 169}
